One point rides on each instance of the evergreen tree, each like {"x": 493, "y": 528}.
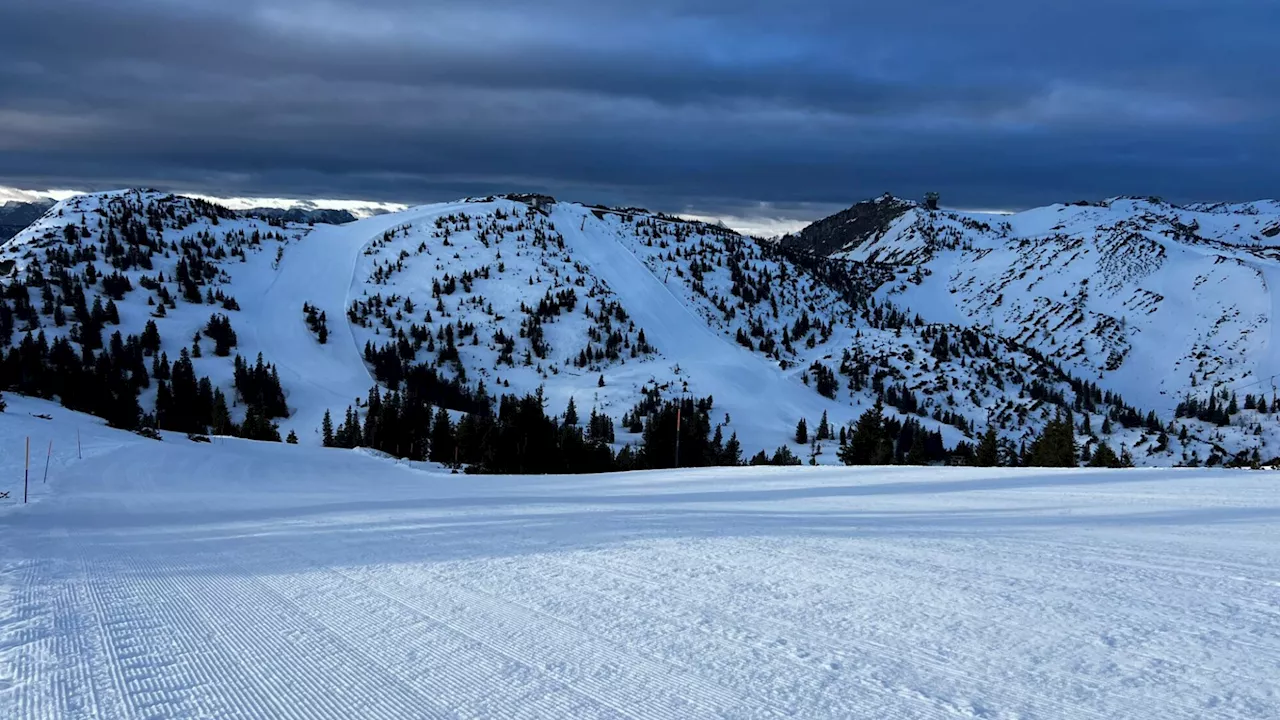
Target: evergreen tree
{"x": 626, "y": 459}
{"x": 151, "y": 338}
{"x": 1104, "y": 457}
{"x": 442, "y": 441}
{"x": 224, "y": 338}
{"x": 219, "y": 416}
{"x": 1055, "y": 446}
{"x": 571, "y": 413}
{"x": 686, "y": 419}
{"x": 732, "y": 453}
{"x": 866, "y": 442}
{"x": 784, "y": 456}
{"x": 326, "y": 429}
{"x": 802, "y": 432}
{"x": 988, "y": 451}
{"x": 259, "y": 386}
{"x": 257, "y": 426}
{"x": 348, "y": 433}
{"x": 941, "y": 348}
{"x": 1126, "y": 458}
{"x": 917, "y": 455}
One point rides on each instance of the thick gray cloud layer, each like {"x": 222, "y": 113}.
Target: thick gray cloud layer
{"x": 708, "y": 105}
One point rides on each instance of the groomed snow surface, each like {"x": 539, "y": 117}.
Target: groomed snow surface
{"x": 247, "y": 580}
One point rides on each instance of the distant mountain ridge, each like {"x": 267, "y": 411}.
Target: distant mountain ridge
{"x": 849, "y": 228}
{"x": 307, "y": 215}
{"x": 1162, "y": 301}
{"x": 1114, "y": 312}
{"x": 16, "y": 215}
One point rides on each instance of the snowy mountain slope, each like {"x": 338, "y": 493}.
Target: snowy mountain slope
{"x": 158, "y": 258}
{"x": 320, "y": 271}
{"x": 244, "y": 580}
{"x": 1144, "y": 296}
{"x": 724, "y": 316}
{"x": 815, "y": 319}
{"x": 746, "y": 383}
{"x": 609, "y": 307}
{"x": 622, "y": 324}
{"x": 1153, "y": 300}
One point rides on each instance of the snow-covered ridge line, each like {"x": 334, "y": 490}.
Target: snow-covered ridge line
{"x": 1164, "y": 303}
{"x": 604, "y": 306}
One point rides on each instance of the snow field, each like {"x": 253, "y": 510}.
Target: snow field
{"x": 250, "y": 580}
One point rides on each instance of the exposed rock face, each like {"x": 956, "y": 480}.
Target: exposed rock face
{"x": 849, "y": 228}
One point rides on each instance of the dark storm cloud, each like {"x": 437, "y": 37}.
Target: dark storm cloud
{"x": 711, "y": 106}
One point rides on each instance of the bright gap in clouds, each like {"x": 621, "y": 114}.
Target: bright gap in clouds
{"x": 8, "y": 194}
{"x": 765, "y": 227}
{"x": 359, "y": 208}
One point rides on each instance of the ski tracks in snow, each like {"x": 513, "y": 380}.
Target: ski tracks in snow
{"x": 707, "y": 628}
{"x": 1270, "y": 364}
{"x": 168, "y": 580}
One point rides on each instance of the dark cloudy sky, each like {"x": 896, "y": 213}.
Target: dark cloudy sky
{"x": 709, "y": 106}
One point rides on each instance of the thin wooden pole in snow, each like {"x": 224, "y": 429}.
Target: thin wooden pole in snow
{"x": 678, "y": 437}
{"x": 79, "y": 454}
{"x": 48, "y": 456}
{"x": 26, "y": 471}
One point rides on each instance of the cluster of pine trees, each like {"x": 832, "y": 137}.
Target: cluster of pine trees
{"x": 187, "y": 404}
{"x": 219, "y": 330}
{"x": 1222, "y": 405}
{"x": 878, "y": 440}
{"x": 1055, "y": 446}
{"x": 108, "y": 382}
{"x": 103, "y": 382}
{"x": 519, "y": 438}
{"x": 318, "y": 323}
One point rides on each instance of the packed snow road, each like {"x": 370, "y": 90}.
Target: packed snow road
{"x": 245, "y": 580}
